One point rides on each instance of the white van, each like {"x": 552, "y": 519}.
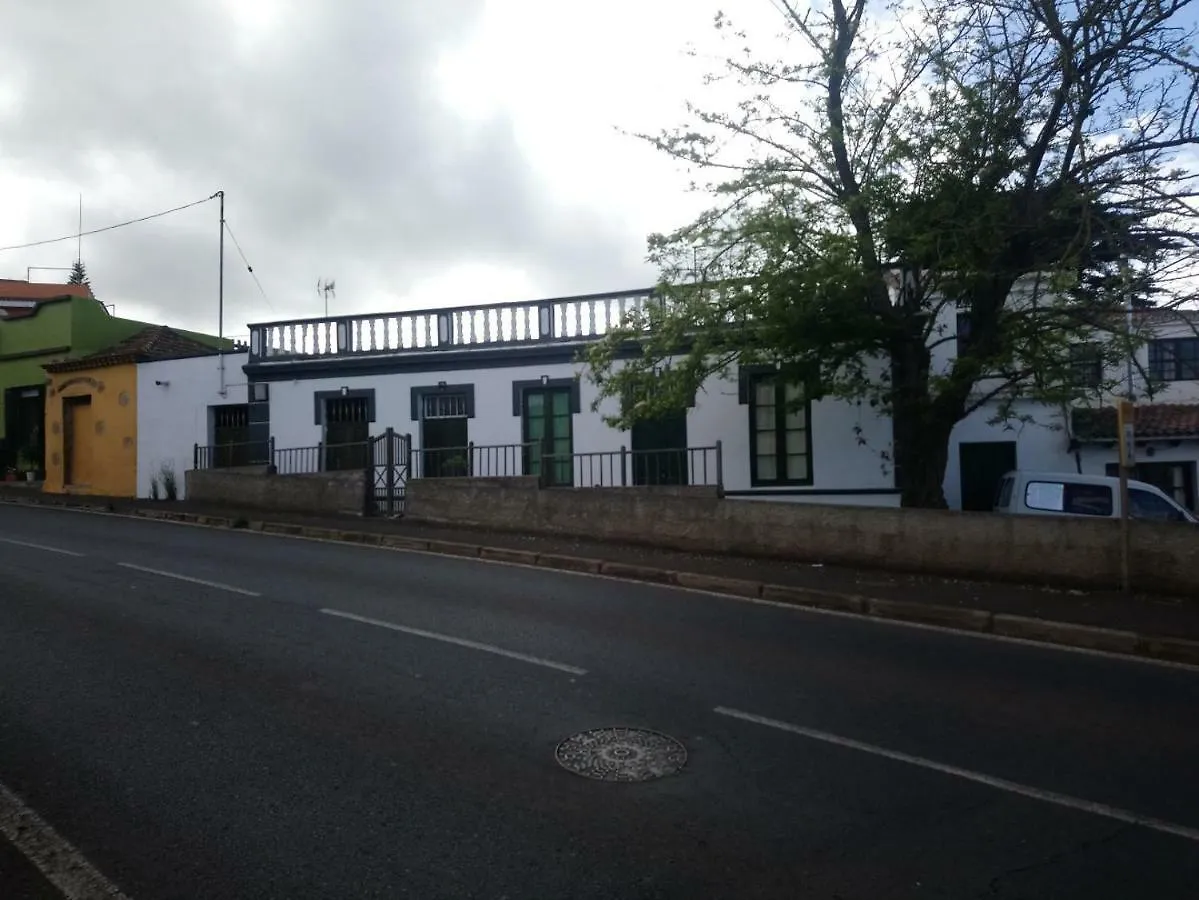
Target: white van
{"x": 1096, "y": 496}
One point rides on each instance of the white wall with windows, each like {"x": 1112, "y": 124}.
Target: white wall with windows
{"x": 828, "y": 451}
{"x": 174, "y": 412}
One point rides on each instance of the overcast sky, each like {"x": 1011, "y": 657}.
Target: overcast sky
{"x": 419, "y": 153}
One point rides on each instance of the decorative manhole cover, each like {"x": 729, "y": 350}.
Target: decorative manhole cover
{"x": 621, "y": 754}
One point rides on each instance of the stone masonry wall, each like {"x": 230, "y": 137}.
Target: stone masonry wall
{"x": 325, "y": 492}
{"x": 975, "y": 545}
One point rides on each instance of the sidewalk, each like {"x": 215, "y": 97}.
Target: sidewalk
{"x": 1037, "y": 613}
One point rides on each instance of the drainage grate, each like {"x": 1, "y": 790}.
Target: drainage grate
{"x": 621, "y": 754}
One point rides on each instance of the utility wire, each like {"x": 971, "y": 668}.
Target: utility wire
{"x": 249, "y": 268}
{"x": 72, "y": 237}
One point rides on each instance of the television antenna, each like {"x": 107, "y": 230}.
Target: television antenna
{"x": 326, "y": 287}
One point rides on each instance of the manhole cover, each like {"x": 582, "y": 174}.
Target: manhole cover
{"x": 621, "y": 754}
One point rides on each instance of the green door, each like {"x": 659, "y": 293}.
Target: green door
{"x": 547, "y": 428}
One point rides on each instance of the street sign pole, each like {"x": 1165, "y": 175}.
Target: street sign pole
{"x": 1125, "y": 415}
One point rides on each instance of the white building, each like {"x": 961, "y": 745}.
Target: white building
{"x": 497, "y": 387}
{"x": 1165, "y": 385}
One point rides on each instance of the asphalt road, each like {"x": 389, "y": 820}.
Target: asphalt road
{"x": 240, "y": 735}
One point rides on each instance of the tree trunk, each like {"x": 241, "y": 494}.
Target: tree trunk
{"x": 921, "y": 426}
{"x": 921, "y": 454}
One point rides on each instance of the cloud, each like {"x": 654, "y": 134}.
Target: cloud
{"x": 320, "y": 120}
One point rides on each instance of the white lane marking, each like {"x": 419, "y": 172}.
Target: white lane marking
{"x": 461, "y": 642}
{"x": 40, "y": 547}
{"x": 63, "y": 865}
{"x": 212, "y": 584}
{"x": 1012, "y": 787}
{"x": 736, "y": 598}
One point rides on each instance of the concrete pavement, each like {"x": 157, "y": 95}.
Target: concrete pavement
{"x": 207, "y": 713}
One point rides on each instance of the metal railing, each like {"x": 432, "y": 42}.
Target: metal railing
{"x": 322, "y": 458}
{"x": 634, "y": 468}
{"x": 693, "y": 466}
{"x": 231, "y": 455}
{"x": 286, "y": 461}
{"x": 562, "y": 319}
{"x": 477, "y": 460}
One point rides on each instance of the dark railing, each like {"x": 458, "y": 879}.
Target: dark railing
{"x": 479, "y": 460}
{"x": 229, "y": 456}
{"x": 634, "y": 468}
{"x": 538, "y": 321}
{"x": 606, "y": 468}
{"x": 322, "y": 458}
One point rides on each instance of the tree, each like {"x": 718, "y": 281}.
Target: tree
{"x": 1016, "y": 161}
{"x": 78, "y": 274}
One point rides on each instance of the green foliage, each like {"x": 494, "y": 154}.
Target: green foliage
{"x": 1012, "y": 162}
{"x": 78, "y": 274}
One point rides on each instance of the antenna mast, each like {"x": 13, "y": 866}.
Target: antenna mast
{"x": 326, "y": 287}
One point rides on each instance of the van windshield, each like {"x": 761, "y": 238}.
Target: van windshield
{"x": 1145, "y": 505}
{"x": 1004, "y": 498}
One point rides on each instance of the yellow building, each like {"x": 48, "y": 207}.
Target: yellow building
{"x": 91, "y": 413}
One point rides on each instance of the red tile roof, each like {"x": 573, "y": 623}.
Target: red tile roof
{"x": 152, "y": 343}
{"x": 1153, "y": 420}
{"x": 39, "y": 292}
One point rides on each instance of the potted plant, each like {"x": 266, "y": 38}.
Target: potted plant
{"x": 30, "y": 463}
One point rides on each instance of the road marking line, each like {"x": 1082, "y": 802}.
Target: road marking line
{"x": 212, "y": 584}
{"x": 55, "y": 857}
{"x": 40, "y": 547}
{"x": 1012, "y": 787}
{"x": 461, "y": 642}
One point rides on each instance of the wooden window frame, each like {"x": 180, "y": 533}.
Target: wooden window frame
{"x": 752, "y": 380}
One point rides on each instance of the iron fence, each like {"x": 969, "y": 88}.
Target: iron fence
{"x": 477, "y": 460}
{"x": 230, "y": 455}
{"x": 394, "y": 461}
{"x": 633, "y": 468}
{"x": 342, "y": 457}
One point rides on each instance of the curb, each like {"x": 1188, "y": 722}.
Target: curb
{"x": 978, "y": 621}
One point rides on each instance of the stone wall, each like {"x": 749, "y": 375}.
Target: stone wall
{"x": 325, "y": 492}
{"x": 1033, "y": 549}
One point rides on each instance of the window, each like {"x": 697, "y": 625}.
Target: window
{"x": 1074, "y": 499}
{"x": 1174, "y": 360}
{"x": 443, "y": 406}
{"x": 963, "y": 331}
{"x": 780, "y": 438}
{"x": 443, "y": 429}
{"x": 1144, "y": 505}
{"x": 230, "y": 436}
{"x": 1086, "y": 366}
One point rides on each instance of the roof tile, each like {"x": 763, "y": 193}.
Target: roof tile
{"x": 1153, "y": 420}
{"x": 155, "y": 342}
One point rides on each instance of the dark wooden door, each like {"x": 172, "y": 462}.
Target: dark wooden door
{"x": 983, "y": 465}
{"x": 660, "y": 450}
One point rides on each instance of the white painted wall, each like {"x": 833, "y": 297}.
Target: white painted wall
{"x": 292, "y": 421}
{"x": 1041, "y": 444}
{"x": 173, "y": 397}
{"x": 848, "y": 441}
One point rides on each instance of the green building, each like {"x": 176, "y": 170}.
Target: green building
{"x": 39, "y": 324}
